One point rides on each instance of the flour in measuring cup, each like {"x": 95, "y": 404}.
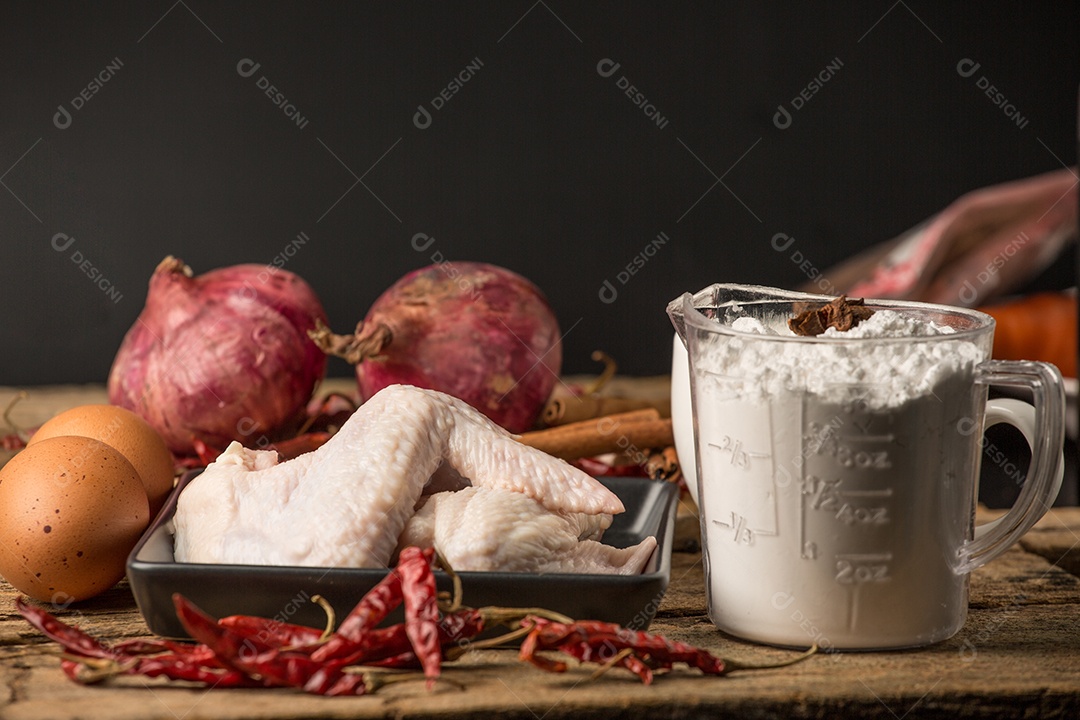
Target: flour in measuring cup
{"x": 888, "y": 373}
{"x": 827, "y": 466}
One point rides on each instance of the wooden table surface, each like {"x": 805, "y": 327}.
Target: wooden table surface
{"x": 1017, "y": 656}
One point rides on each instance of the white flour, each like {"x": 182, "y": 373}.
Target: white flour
{"x": 828, "y": 471}
{"x": 889, "y": 373}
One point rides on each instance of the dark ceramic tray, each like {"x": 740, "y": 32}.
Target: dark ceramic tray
{"x": 285, "y": 593}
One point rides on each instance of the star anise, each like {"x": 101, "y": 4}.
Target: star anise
{"x": 841, "y": 313}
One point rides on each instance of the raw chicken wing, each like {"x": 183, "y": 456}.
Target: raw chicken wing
{"x": 345, "y": 504}
{"x": 492, "y": 529}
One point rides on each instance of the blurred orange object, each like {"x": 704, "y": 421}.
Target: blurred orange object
{"x": 1041, "y": 326}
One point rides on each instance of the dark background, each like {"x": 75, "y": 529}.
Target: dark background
{"x": 539, "y": 163}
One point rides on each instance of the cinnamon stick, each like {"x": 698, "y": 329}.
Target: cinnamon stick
{"x": 663, "y": 464}
{"x": 571, "y": 409}
{"x": 633, "y": 431}
{"x": 624, "y": 416}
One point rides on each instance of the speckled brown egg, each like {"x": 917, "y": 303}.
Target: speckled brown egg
{"x": 71, "y": 509}
{"x": 128, "y": 433}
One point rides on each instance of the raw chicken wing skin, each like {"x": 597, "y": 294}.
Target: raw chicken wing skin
{"x": 346, "y": 504}
{"x": 493, "y": 529}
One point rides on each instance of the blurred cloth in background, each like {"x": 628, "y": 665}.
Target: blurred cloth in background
{"x": 986, "y": 250}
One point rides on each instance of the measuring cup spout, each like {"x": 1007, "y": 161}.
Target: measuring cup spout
{"x": 677, "y": 312}
{"x": 703, "y": 308}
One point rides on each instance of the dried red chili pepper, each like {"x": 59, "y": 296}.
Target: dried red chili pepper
{"x": 640, "y": 652}
{"x": 369, "y": 612}
{"x": 318, "y": 668}
{"x": 271, "y": 632}
{"x": 392, "y": 646}
{"x": 94, "y": 661}
{"x": 178, "y": 667}
{"x": 421, "y": 609}
{"x": 140, "y": 646}
{"x": 598, "y": 642}
{"x": 380, "y": 601}
{"x": 72, "y": 639}
{"x": 204, "y": 453}
{"x": 243, "y": 651}
{"x": 328, "y": 413}
{"x": 174, "y": 666}
{"x": 598, "y": 468}
{"x": 273, "y": 665}
{"x": 12, "y": 441}
{"x": 296, "y": 446}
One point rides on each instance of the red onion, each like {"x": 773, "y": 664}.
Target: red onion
{"x": 478, "y": 332}
{"x": 220, "y": 357}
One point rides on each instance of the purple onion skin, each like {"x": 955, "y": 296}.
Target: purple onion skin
{"x": 220, "y": 357}
{"x": 479, "y": 332}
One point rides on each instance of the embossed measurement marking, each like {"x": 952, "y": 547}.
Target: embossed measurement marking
{"x": 737, "y": 526}
{"x": 887, "y": 438}
{"x": 862, "y": 459}
{"x": 860, "y": 568}
{"x": 740, "y": 457}
{"x": 847, "y": 506}
{"x": 853, "y": 451}
{"x": 826, "y": 495}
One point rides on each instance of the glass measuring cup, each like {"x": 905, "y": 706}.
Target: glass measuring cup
{"x": 837, "y": 476}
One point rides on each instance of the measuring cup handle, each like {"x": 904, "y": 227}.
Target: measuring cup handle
{"x": 1043, "y": 426}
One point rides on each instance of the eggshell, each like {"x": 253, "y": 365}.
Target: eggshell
{"x": 71, "y": 509}
{"x": 128, "y": 433}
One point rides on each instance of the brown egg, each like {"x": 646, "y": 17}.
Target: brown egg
{"x": 128, "y": 433}
{"x": 71, "y": 509}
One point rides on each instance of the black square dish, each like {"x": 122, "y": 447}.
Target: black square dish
{"x": 285, "y": 593}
